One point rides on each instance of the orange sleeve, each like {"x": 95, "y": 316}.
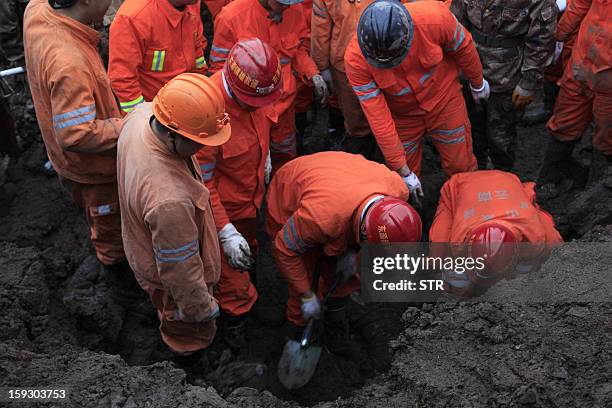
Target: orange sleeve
{"x": 297, "y": 236}
{"x": 571, "y": 18}
{"x": 321, "y": 34}
{"x": 302, "y": 63}
{"x": 376, "y": 110}
{"x": 74, "y": 112}
{"x": 176, "y": 243}
{"x": 441, "y": 228}
{"x": 457, "y": 42}
{"x": 223, "y": 41}
{"x": 207, "y": 159}
{"x": 126, "y": 53}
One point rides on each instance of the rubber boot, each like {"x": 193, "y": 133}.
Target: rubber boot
{"x": 599, "y": 163}
{"x": 235, "y": 331}
{"x": 558, "y": 155}
{"x": 336, "y": 334}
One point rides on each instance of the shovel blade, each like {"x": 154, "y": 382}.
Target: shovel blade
{"x": 297, "y": 364}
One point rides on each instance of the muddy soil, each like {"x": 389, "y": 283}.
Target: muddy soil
{"x": 63, "y": 322}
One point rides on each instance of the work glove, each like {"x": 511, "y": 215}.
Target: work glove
{"x": 235, "y": 248}
{"x": 558, "y": 51}
{"x": 311, "y": 307}
{"x": 214, "y": 312}
{"x": 482, "y": 93}
{"x": 346, "y": 265}
{"x": 327, "y": 77}
{"x": 521, "y": 98}
{"x": 320, "y": 88}
{"x": 414, "y": 184}
{"x": 268, "y": 169}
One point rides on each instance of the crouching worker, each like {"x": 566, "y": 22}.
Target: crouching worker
{"x": 491, "y": 212}
{"x": 321, "y": 207}
{"x": 169, "y": 232}
{"x": 236, "y": 174}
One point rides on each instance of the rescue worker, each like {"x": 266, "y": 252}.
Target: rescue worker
{"x": 492, "y": 212}
{"x": 320, "y": 208}
{"x": 515, "y": 42}
{"x": 282, "y": 26}
{"x": 236, "y": 173}
{"x": 151, "y": 42}
{"x": 585, "y": 94}
{"x": 333, "y": 25}
{"x": 403, "y": 65}
{"x": 168, "y": 226}
{"x": 77, "y": 113}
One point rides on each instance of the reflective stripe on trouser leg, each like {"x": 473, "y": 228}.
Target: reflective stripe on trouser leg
{"x": 235, "y": 292}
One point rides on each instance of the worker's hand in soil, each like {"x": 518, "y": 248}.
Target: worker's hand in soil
{"x": 482, "y": 92}
{"x": 347, "y": 264}
{"x": 320, "y": 88}
{"x": 235, "y": 248}
{"x": 521, "y": 98}
{"x": 311, "y": 307}
{"x": 268, "y": 169}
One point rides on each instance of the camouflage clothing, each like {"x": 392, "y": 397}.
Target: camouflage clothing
{"x": 11, "y": 39}
{"x": 493, "y": 129}
{"x": 514, "y": 39}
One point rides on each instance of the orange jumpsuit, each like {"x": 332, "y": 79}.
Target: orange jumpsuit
{"x": 311, "y": 206}
{"x": 586, "y": 86}
{"x": 78, "y": 118}
{"x": 150, "y": 43}
{"x": 243, "y": 19}
{"x": 422, "y": 95}
{"x": 305, "y": 92}
{"x": 333, "y": 25}
{"x": 555, "y": 71}
{"x": 169, "y": 233}
{"x": 234, "y": 175}
{"x": 468, "y": 200}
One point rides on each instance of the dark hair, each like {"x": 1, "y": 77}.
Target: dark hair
{"x": 60, "y": 4}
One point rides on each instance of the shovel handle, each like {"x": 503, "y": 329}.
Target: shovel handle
{"x": 305, "y": 341}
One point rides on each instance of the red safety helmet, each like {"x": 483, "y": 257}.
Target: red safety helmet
{"x": 391, "y": 220}
{"x": 253, "y": 73}
{"x": 497, "y": 244}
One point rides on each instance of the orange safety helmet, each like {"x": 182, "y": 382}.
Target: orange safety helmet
{"x": 497, "y": 244}
{"x": 253, "y": 73}
{"x": 391, "y": 220}
{"x": 192, "y": 106}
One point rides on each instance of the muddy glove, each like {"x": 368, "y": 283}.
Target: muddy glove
{"x": 311, "y": 307}
{"x": 327, "y": 77}
{"x": 235, "y": 248}
{"x": 268, "y": 169}
{"x": 320, "y": 88}
{"x": 414, "y": 184}
{"x": 346, "y": 265}
{"x": 521, "y": 98}
{"x": 482, "y": 93}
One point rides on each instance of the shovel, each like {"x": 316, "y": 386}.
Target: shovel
{"x": 299, "y": 359}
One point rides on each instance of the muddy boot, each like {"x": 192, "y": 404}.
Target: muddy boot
{"x": 553, "y": 170}
{"x": 235, "y": 331}
{"x": 196, "y": 364}
{"x": 599, "y": 163}
{"x": 121, "y": 276}
{"x": 336, "y": 334}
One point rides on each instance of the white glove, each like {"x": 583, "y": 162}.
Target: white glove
{"x": 235, "y": 248}
{"x": 327, "y": 77}
{"x": 561, "y": 4}
{"x": 346, "y": 264}
{"x": 482, "y": 93}
{"x": 558, "y": 51}
{"x": 414, "y": 184}
{"x": 320, "y": 88}
{"x": 311, "y": 307}
{"x": 268, "y": 169}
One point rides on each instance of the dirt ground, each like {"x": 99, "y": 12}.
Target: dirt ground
{"x": 63, "y": 323}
